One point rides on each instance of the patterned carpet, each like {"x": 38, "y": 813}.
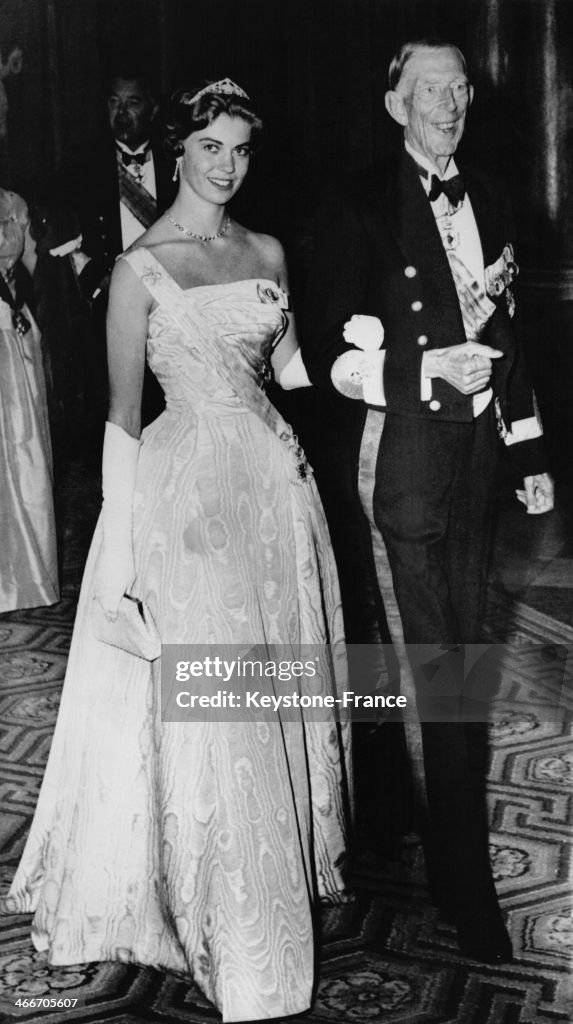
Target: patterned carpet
{"x": 385, "y": 956}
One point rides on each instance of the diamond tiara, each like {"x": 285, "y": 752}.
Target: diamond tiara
{"x": 224, "y": 86}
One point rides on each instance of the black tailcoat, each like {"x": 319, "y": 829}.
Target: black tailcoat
{"x": 93, "y": 191}
{"x": 378, "y": 252}
{"x": 91, "y": 188}
{"x": 371, "y": 231}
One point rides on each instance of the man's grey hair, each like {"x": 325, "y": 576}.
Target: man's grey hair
{"x": 407, "y": 50}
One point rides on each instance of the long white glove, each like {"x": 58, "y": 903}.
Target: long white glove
{"x": 115, "y": 571}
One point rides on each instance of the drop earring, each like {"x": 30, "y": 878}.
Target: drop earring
{"x": 177, "y": 171}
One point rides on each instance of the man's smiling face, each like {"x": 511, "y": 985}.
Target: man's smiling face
{"x": 435, "y": 93}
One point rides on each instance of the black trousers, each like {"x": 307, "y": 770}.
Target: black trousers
{"x": 433, "y": 504}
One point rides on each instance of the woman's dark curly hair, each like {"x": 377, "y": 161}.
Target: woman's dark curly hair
{"x": 185, "y": 115}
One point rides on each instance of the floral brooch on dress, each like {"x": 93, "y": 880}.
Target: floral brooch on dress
{"x": 500, "y": 275}
{"x": 273, "y": 295}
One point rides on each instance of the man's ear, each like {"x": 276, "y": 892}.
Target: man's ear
{"x": 396, "y": 107}
{"x": 471, "y": 94}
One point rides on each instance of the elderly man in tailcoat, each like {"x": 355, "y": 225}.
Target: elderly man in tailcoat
{"x": 413, "y": 315}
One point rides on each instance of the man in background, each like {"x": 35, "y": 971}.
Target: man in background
{"x": 118, "y": 189}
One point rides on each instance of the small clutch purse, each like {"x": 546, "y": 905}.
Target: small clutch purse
{"x": 133, "y": 631}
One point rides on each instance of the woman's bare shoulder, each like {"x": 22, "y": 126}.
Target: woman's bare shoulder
{"x": 267, "y": 249}
{"x": 170, "y": 253}
{"x": 266, "y": 244}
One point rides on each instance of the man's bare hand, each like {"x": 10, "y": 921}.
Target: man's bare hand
{"x": 537, "y": 495}
{"x": 466, "y": 367}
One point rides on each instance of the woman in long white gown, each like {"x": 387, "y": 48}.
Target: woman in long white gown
{"x": 28, "y": 559}
{"x": 200, "y": 847}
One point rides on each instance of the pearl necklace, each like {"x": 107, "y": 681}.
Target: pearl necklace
{"x": 201, "y": 238}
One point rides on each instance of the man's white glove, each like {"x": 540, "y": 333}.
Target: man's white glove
{"x": 115, "y": 571}
{"x": 359, "y": 373}
{"x": 365, "y": 332}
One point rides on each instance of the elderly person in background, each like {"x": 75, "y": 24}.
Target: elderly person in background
{"x": 28, "y": 563}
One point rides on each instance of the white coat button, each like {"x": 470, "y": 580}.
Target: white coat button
{"x": 435, "y": 405}
{"x": 416, "y": 306}
{"x": 423, "y": 339}
{"x": 410, "y": 271}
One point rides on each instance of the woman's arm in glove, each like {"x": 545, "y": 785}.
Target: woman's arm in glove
{"x": 127, "y": 323}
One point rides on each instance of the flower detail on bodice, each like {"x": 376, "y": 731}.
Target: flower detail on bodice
{"x": 272, "y": 294}
{"x": 276, "y": 296}
{"x": 151, "y": 274}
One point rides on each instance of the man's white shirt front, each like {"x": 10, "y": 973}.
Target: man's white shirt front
{"x": 131, "y": 228}
{"x": 468, "y": 249}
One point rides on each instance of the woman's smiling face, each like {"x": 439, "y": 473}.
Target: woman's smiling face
{"x": 216, "y": 158}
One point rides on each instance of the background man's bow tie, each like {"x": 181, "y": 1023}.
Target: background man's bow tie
{"x": 453, "y": 188}
{"x": 132, "y": 158}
